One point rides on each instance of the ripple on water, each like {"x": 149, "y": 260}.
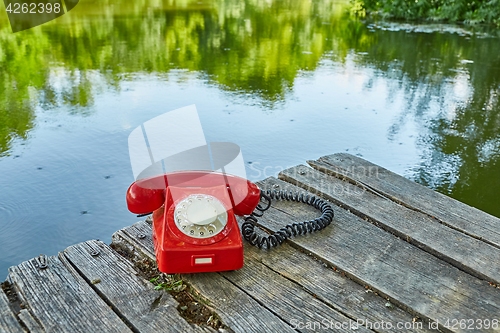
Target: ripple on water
{"x": 8, "y": 211}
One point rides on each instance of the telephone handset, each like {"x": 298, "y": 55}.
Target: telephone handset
{"x": 194, "y": 224}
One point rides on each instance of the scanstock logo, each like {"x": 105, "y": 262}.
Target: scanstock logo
{"x": 30, "y": 13}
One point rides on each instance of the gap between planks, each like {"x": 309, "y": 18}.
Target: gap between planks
{"x": 133, "y": 298}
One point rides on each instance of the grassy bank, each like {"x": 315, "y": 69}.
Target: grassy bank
{"x": 452, "y": 11}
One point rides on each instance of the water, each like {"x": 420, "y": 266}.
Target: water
{"x": 286, "y": 80}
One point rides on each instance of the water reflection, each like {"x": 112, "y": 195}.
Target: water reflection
{"x": 297, "y": 60}
{"x": 451, "y": 86}
{"x": 243, "y": 46}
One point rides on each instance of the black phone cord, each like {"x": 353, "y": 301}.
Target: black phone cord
{"x": 292, "y": 229}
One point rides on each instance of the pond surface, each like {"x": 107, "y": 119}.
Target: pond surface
{"x": 285, "y": 80}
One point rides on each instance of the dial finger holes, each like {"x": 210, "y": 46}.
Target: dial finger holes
{"x": 200, "y": 216}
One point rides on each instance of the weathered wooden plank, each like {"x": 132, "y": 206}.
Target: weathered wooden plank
{"x": 145, "y": 309}
{"x": 448, "y": 211}
{"x": 29, "y": 321}
{"x": 61, "y": 300}
{"x": 237, "y": 310}
{"x": 8, "y": 321}
{"x": 411, "y": 278}
{"x": 459, "y": 249}
{"x": 361, "y": 305}
{"x": 287, "y": 299}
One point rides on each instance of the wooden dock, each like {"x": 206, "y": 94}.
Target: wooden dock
{"x": 398, "y": 257}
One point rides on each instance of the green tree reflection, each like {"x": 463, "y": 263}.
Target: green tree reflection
{"x": 460, "y": 78}
{"x": 260, "y": 47}
{"x": 249, "y": 46}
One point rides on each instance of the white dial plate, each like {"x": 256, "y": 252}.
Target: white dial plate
{"x": 200, "y": 216}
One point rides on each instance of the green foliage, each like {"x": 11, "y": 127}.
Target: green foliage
{"x": 459, "y": 11}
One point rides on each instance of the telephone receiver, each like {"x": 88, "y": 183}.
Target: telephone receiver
{"x": 194, "y": 224}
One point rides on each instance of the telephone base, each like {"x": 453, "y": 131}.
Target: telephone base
{"x": 192, "y": 260}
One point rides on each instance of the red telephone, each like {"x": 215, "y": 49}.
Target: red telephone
{"x": 194, "y": 227}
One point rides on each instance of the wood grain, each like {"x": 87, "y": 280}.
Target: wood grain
{"x": 115, "y": 279}
{"x": 331, "y": 287}
{"x": 237, "y": 310}
{"x": 29, "y": 321}
{"x": 61, "y": 301}
{"x": 411, "y": 278}
{"x": 285, "y": 298}
{"x": 8, "y": 321}
{"x": 462, "y": 251}
{"x": 448, "y": 211}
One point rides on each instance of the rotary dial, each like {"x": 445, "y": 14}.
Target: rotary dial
{"x": 200, "y": 216}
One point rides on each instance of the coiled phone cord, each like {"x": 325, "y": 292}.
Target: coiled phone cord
{"x": 292, "y": 229}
